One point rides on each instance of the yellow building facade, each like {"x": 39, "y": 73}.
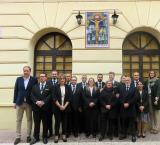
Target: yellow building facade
{"x": 24, "y": 22}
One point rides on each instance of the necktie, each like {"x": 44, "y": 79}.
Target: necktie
{"x": 127, "y": 89}
{"x": 54, "y": 82}
{"x": 84, "y": 85}
{"x": 73, "y": 89}
{"x": 42, "y": 87}
{"x": 100, "y": 85}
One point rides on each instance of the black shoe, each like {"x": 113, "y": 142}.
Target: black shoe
{"x": 34, "y": 141}
{"x": 101, "y": 138}
{"x": 115, "y": 134}
{"x": 75, "y": 134}
{"x": 50, "y": 135}
{"x": 122, "y": 137}
{"x": 94, "y": 135}
{"x": 17, "y": 140}
{"x": 68, "y": 135}
{"x": 45, "y": 140}
{"x": 110, "y": 137}
{"x": 87, "y": 135}
{"x": 133, "y": 139}
{"x": 28, "y": 139}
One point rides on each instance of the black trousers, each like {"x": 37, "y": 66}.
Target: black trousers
{"x": 70, "y": 122}
{"x": 60, "y": 118}
{"x": 75, "y": 116}
{"x": 91, "y": 120}
{"x": 81, "y": 122}
{"x": 106, "y": 125}
{"x": 50, "y": 126}
{"x": 128, "y": 123}
{"x": 39, "y": 116}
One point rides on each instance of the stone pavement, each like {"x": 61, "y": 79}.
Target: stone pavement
{"x": 7, "y": 138}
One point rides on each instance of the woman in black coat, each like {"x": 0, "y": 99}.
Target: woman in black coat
{"x": 143, "y": 109}
{"x": 90, "y": 98}
{"x": 109, "y": 112}
{"x": 61, "y": 99}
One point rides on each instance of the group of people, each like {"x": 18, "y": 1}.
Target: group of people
{"x": 111, "y": 108}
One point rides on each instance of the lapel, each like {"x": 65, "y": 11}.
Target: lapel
{"x": 22, "y": 82}
{"x": 29, "y": 83}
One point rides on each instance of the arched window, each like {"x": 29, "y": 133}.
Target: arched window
{"x": 53, "y": 52}
{"x": 141, "y": 52}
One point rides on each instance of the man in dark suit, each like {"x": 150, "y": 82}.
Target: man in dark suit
{"x": 75, "y": 104}
{"x": 52, "y": 82}
{"x": 100, "y": 84}
{"x": 82, "y": 85}
{"x": 68, "y": 79}
{"x": 69, "y": 118}
{"x": 136, "y": 79}
{"x": 22, "y": 102}
{"x": 116, "y": 88}
{"x": 128, "y": 109}
{"x": 41, "y": 94}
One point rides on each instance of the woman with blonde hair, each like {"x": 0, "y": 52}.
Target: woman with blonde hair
{"x": 90, "y": 98}
{"x": 61, "y": 98}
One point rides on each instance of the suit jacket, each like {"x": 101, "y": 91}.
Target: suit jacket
{"x": 57, "y": 96}
{"x": 142, "y": 100}
{"x": 108, "y": 97}
{"x": 52, "y": 87}
{"x": 97, "y": 83}
{"x": 20, "y": 92}
{"x": 76, "y": 100}
{"x": 116, "y": 86}
{"x": 37, "y": 96}
{"x": 128, "y": 97}
{"x": 87, "y": 98}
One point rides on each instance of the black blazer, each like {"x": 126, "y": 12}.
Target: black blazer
{"x": 20, "y": 92}
{"x": 52, "y": 87}
{"x": 37, "y": 96}
{"x": 57, "y": 95}
{"x": 108, "y": 97}
{"x": 87, "y": 98}
{"x": 103, "y": 83}
{"x": 128, "y": 97}
{"x": 76, "y": 98}
{"x": 142, "y": 100}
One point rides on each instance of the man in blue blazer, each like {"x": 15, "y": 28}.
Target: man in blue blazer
{"x": 22, "y": 102}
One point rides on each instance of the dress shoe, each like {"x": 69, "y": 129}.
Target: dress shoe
{"x": 122, "y": 137}
{"x": 133, "y": 139}
{"x": 34, "y": 141}
{"x": 87, "y": 135}
{"x": 45, "y": 140}
{"x": 94, "y": 135}
{"x": 28, "y": 139}
{"x": 75, "y": 134}
{"x": 68, "y": 135}
{"x": 101, "y": 138}
{"x": 110, "y": 137}
{"x": 64, "y": 138}
{"x": 17, "y": 140}
{"x": 50, "y": 135}
{"x": 56, "y": 139}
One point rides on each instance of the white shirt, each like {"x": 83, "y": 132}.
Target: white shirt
{"x": 62, "y": 94}
{"x": 73, "y": 88}
{"x": 91, "y": 90}
{"x": 26, "y": 80}
{"x": 42, "y": 84}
